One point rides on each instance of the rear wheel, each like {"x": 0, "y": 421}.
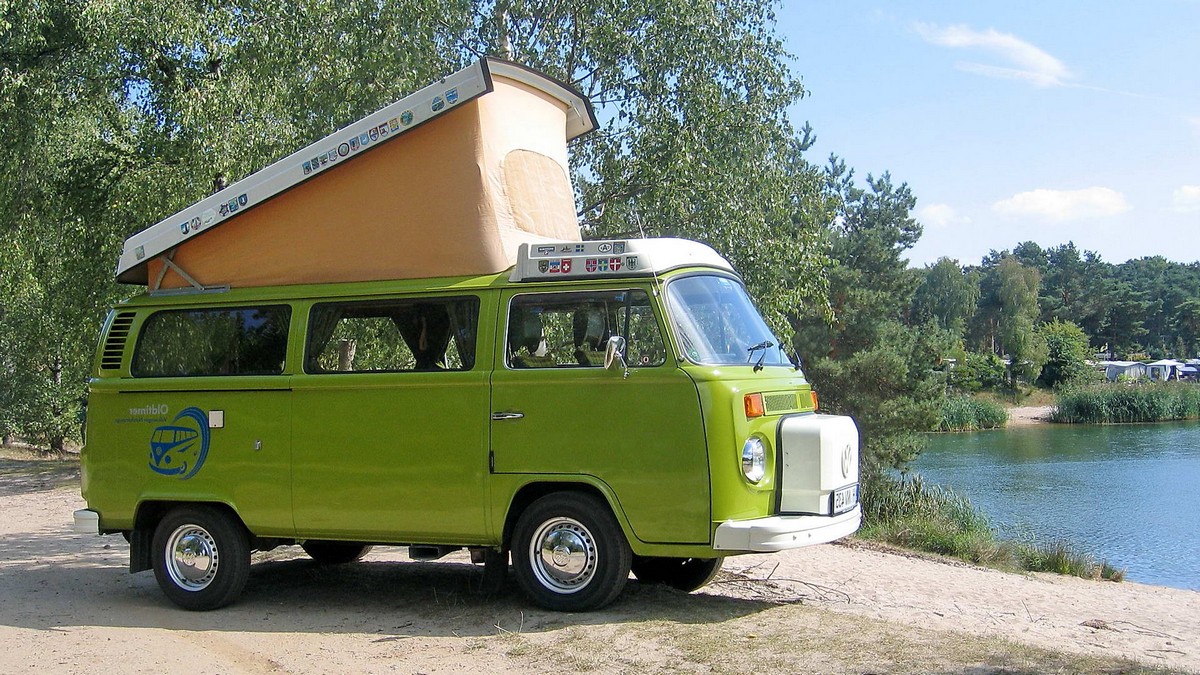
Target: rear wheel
{"x": 686, "y": 574}
{"x": 201, "y": 557}
{"x": 569, "y": 554}
{"x": 335, "y": 552}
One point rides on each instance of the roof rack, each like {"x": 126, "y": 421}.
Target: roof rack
{"x": 612, "y": 258}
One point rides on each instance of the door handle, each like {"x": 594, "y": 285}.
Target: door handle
{"x": 497, "y": 416}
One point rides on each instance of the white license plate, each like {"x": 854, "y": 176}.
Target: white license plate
{"x": 844, "y": 499}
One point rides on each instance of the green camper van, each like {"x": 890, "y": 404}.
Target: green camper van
{"x": 601, "y": 408}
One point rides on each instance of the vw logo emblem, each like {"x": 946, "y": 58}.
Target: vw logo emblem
{"x": 847, "y": 460}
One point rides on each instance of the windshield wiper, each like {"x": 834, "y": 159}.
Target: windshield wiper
{"x": 764, "y": 346}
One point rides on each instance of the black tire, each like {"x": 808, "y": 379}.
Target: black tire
{"x": 686, "y": 574}
{"x": 201, "y": 557}
{"x": 569, "y": 554}
{"x": 335, "y": 552}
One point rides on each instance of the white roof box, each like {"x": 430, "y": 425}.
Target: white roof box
{"x": 445, "y": 182}
{"x": 612, "y": 258}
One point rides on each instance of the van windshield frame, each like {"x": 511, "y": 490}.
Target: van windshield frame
{"x": 715, "y": 323}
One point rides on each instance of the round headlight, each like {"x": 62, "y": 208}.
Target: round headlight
{"x": 754, "y": 460}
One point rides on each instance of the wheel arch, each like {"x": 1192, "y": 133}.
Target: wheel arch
{"x": 150, "y": 512}
{"x": 537, "y": 488}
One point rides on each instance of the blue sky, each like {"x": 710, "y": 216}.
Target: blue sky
{"x": 1014, "y": 121}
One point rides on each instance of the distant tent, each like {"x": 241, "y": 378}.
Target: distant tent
{"x": 1164, "y": 369}
{"x": 1129, "y": 369}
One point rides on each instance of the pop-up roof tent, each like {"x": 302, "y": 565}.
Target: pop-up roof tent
{"x": 448, "y": 181}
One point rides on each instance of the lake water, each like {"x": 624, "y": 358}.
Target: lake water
{"x": 1127, "y": 493}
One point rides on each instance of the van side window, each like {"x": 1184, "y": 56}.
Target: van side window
{"x": 215, "y": 341}
{"x": 392, "y": 336}
{"x": 552, "y": 330}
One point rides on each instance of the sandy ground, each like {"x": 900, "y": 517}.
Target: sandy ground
{"x": 1029, "y": 415}
{"x": 68, "y": 605}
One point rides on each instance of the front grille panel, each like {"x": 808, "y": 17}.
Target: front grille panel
{"x": 774, "y": 403}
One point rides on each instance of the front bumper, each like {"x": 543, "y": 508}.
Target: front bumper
{"x": 778, "y": 533}
{"x": 87, "y": 521}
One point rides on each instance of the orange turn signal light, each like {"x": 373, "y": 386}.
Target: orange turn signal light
{"x": 754, "y": 406}
{"x": 814, "y": 398}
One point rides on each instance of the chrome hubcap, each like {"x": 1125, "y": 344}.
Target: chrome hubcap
{"x": 563, "y": 554}
{"x": 192, "y": 557}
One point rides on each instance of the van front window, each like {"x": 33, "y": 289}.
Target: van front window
{"x": 717, "y": 324}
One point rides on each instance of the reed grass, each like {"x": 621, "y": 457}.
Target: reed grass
{"x": 909, "y": 513}
{"x": 967, "y": 413}
{"x": 1121, "y": 402}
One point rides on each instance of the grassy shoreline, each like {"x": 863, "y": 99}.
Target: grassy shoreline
{"x": 908, "y": 513}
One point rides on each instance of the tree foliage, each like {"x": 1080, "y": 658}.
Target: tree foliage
{"x": 864, "y": 359}
{"x": 1067, "y": 355}
{"x": 122, "y": 113}
{"x": 947, "y": 296}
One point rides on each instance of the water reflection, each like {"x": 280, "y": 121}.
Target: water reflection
{"x": 1128, "y": 493}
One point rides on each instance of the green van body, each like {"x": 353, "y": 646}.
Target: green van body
{"x": 445, "y": 457}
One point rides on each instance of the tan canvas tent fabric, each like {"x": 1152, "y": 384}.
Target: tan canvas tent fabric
{"x": 455, "y": 195}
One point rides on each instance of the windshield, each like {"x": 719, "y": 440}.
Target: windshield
{"x": 717, "y": 324}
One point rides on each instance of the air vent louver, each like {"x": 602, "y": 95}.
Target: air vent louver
{"x": 114, "y": 343}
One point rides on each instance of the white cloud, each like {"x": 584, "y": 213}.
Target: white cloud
{"x": 1187, "y": 199}
{"x": 1021, "y": 60}
{"x": 940, "y": 216}
{"x": 1064, "y": 205}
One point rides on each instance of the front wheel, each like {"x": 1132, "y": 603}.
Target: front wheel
{"x": 201, "y": 557}
{"x": 569, "y": 554}
{"x": 686, "y": 574}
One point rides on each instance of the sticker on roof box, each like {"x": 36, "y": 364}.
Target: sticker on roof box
{"x": 566, "y": 266}
{"x": 545, "y": 250}
{"x": 406, "y": 117}
{"x": 437, "y": 104}
{"x": 590, "y": 264}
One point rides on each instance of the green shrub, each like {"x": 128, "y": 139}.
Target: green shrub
{"x": 1122, "y": 402}
{"x": 975, "y": 372}
{"x": 966, "y": 413}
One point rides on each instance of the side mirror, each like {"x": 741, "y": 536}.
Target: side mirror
{"x": 614, "y": 352}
